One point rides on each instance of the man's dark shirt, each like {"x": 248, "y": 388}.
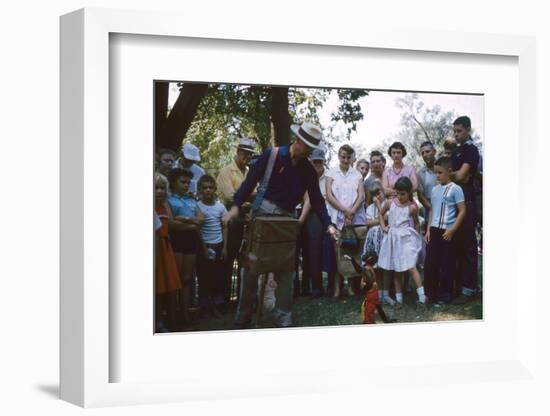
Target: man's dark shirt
{"x": 287, "y": 184}
{"x": 466, "y": 153}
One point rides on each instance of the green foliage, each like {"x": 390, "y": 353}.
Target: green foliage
{"x": 228, "y": 112}
{"x": 304, "y": 103}
{"x": 225, "y": 114}
{"x": 349, "y": 109}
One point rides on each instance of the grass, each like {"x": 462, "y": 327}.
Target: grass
{"x": 308, "y": 312}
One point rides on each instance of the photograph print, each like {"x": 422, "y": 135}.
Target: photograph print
{"x": 291, "y": 206}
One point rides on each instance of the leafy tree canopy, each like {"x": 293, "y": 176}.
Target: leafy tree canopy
{"x": 228, "y": 112}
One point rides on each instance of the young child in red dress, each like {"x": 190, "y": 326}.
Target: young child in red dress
{"x": 167, "y": 280}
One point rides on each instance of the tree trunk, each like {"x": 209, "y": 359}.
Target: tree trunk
{"x": 279, "y": 116}
{"x": 161, "y": 109}
{"x": 180, "y": 118}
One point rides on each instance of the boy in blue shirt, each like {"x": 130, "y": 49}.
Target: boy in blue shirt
{"x": 446, "y": 216}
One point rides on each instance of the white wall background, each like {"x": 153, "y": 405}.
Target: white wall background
{"x": 29, "y": 161}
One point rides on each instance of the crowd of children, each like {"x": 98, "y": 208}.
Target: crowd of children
{"x": 433, "y": 232}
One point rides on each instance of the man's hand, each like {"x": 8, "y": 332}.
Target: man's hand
{"x": 427, "y": 236}
{"x": 448, "y": 235}
{"x": 231, "y": 214}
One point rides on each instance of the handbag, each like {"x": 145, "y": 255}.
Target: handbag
{"x": 349, "y": 238}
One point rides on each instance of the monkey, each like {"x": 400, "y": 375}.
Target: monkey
{"x": 371, "y": 301}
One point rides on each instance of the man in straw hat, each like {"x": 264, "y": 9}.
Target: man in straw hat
{"x": 229, "y": 180}
{"x": 232, "y": 175}
{"x": 292, "y": 175}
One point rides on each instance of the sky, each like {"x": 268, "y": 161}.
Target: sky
{"x": 382, "y": 116}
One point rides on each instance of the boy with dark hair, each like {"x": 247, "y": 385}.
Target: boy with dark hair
{"x": 465, "y": 161}
{"x": 446, "y": 216}
{"x": 210, "y": 262}
{"x": 185, "y": 237}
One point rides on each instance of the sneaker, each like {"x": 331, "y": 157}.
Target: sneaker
{"x": 461, "y": 299}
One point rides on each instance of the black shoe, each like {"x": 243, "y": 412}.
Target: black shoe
{"x": 461, "y": 299}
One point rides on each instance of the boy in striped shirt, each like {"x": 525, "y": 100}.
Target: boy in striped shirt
{"x": 446, "y": 216}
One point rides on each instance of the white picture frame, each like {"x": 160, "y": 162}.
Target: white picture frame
{"x": 86, "y": 355}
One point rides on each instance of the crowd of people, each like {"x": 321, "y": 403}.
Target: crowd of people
{"x": 413, "y": 221}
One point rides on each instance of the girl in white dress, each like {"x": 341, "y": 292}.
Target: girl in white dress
{"x": 402, "y": 243}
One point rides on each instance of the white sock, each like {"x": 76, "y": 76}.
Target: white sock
{"x": 380, "y": 294}
{"x": 386, "y": 298}
{"x": 421, "y": 295}
{"x": 399, "y": 297}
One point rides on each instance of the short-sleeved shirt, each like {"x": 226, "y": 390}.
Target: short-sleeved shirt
{"x": 444, "y": 205}
{"x": 228, "y": 181}
{"x": 344, "y": 188}
{"x": 467, "y": 153}
{"x": 426, "y": 181}
{"x": 211, "y": 229}
{"x": 182, "y": 205}
{"x": 406, "y": 170}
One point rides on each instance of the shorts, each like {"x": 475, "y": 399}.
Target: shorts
{"x": 185, "y": 242}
